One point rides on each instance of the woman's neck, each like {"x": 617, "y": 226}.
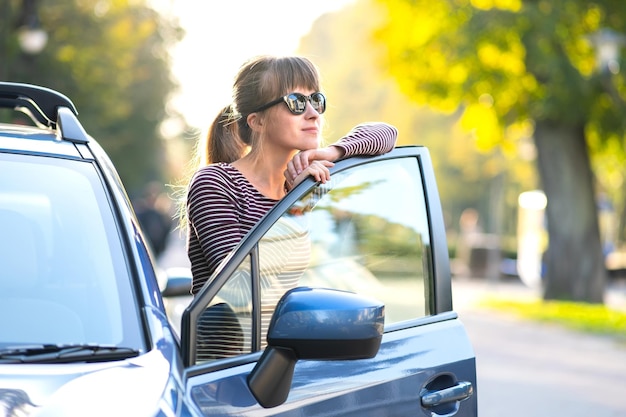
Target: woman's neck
{"x": 265, "y": 174}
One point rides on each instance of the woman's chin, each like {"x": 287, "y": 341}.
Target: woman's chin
{"x": 310, "y": 144}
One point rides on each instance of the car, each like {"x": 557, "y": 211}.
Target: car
{"x": 364, "y": 323}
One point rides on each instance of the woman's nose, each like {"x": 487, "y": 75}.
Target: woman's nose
{"x": 309, "y": 111}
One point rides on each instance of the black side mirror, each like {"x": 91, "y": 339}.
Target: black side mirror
{"x": 317, "y": 324}
{"x": 177, "y": 282}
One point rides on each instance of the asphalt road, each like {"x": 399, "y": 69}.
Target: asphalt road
{"x": 526, "y": 368}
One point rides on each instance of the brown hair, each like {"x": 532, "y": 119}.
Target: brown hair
{"x": 259, "y": 81}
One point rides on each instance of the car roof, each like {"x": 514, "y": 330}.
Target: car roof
{"x": 34, "y": 140}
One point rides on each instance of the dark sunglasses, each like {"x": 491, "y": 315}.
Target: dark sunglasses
{"x": 296, "y": 103}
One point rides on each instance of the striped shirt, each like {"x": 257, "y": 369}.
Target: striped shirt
{"x": 222, "y": 205}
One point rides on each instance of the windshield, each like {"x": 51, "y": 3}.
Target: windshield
{"x": 63, "y": 274}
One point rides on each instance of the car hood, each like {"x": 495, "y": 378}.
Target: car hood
{"x": 129, "y": 387}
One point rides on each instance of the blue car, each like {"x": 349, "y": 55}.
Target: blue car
{"x": 338, "y": 302}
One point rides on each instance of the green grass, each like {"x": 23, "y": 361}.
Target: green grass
{"x": 590, "y": 318}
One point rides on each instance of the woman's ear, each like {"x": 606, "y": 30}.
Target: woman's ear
{"x": 254, "y": 121}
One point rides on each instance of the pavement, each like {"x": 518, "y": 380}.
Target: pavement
{"x": 526, "y": 368}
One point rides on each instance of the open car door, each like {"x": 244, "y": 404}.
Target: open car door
{"x": 374, "y": 233}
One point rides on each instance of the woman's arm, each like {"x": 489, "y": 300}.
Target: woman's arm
{"x": 367, "y": 139}
{"x": 364, "y": 139}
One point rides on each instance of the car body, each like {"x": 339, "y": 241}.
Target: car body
{"x": 363, "y": 325}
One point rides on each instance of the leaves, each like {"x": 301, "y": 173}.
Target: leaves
{"x": 111, "y": 59}
{"x": 533, "y": 58}
{"x": 354, "y": 63}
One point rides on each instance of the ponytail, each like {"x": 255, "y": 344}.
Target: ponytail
{"x": 220, "y": 144}
{"x": 223, "y": 143}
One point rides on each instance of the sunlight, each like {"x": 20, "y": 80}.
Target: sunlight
{"x": 222, "y": 35}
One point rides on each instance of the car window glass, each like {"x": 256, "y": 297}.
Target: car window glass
{"x": 284, "y": 254}
{"x": 63, "y": 270}
{"x": 224, "y": 328}
{"x": 369, "y": 233}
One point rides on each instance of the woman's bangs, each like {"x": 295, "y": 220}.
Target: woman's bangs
{"x": 284, "y": 75}
{"x": 294, "y": 72}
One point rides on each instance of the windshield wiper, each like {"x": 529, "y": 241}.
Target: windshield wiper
{"x": 50, "y": 353}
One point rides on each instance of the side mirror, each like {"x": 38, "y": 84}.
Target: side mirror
{"x": 177, "y": 282}
{"x": 316, "y": 324}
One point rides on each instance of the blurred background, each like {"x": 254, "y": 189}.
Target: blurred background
{"x": 521, "y": 104}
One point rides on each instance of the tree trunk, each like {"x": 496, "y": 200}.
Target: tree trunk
{"x": 575, "y": 268}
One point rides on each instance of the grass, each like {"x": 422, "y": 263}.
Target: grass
{"x": 589, "y": 318}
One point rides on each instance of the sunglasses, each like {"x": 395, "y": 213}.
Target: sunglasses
{"x": 296, "y": 103}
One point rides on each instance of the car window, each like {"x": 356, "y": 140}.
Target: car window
{"x": 224, "y": 328}
{"x": 369, "y": 234}
{"x": 366, "y": 231}
{"x": 63, "y": 275}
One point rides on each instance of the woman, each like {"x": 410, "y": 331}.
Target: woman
{"x": 260, "y": 147}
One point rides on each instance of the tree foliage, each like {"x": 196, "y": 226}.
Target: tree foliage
{"x": 342, "y": 44}
{"x": 520, "y": 68}
{"x": 111, "y": 58}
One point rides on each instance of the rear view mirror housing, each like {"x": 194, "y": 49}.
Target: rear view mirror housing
{"x": 176, "y": 282}
{"x": 314, "y": 324}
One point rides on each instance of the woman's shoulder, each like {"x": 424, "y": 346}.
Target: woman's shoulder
{"x": 220, "y": 175}
{"x": 216, "y": 171}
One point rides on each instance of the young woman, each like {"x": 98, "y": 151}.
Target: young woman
{"x": 260, "y": 147}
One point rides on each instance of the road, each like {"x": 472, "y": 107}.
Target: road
{"x": 527, "y": 369}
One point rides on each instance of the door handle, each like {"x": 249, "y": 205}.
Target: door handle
{"x": 459, "y": 392}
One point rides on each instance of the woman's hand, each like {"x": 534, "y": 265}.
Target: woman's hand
{"x": 303, "y": 159}
{"x": 317, "y": 169}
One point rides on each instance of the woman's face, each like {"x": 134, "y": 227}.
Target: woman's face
{"x": 293, "y": 132}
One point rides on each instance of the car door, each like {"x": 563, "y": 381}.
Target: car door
{"x": 376, "y": 229}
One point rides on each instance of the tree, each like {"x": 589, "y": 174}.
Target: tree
{"x": 343, "y": 46}
{"x": 511, "y": 65}
{"x": 111, "y": 59}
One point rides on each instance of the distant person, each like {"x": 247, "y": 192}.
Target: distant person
{"x": 154, "y": 217}
{"x": 470, "y": 233}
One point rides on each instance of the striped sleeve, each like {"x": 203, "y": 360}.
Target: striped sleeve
{"x": 368, "y": 139}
